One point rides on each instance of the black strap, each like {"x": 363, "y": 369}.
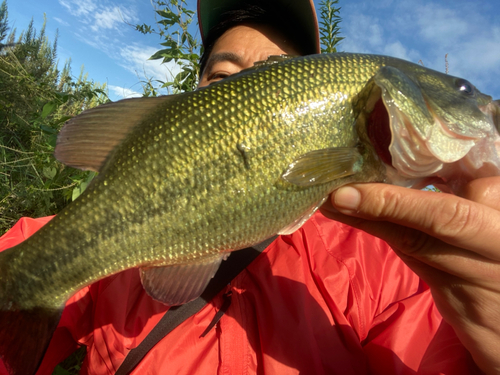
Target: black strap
{"x": 228, "y": 270}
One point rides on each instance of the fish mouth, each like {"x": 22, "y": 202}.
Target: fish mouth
{"x": 398, "y": 144}
{"x": 440, "y": 157}
{"x": 493, "y": 109}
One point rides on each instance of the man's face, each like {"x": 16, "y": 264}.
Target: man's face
{"x": 239, "y": 48}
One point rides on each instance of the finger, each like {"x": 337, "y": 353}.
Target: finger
{"x": 453, "y": 220}
{"x": 421, "y": 251}
{"x": 485, "y": 191}
{"x": 454, "y": 293}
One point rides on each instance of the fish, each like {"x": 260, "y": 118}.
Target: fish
{"x": 495, "y": 111}
{"x": 185, "y": 179}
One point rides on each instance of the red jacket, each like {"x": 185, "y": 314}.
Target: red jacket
{"x": 328, "y": 299}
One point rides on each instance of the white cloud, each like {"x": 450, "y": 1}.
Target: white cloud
{"x": 79, "y": 8}
{"x": 438, "y": 24}
{"x": 369, "y": 34}
{"x": 110, "y": 18}
{"x": 62, "y": 22}
{"x": 478, "y": 59}
{"x": 424, "y": 30}
{"x": 364, "y": 33}
{"x": 472, "y": 43}
{"x": 98, "y": 15}
{"x": 124, "y": 93}
{"x": 135, "y": 58}
{"x": 396, "y": 49}
{"x": 104, "y": 26}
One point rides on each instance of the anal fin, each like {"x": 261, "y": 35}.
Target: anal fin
{"x": 179, "y": 284}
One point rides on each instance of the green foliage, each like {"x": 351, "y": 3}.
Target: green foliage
{"x": 35, "y": 101}
{"x": 181, "y": 47}
{"x": 432, "y": 188}
{"x": 329, "y": 26}
{"x": 72, "y": 364}
{"x": 4, "y": 22}
{"x": 172, "y": 23}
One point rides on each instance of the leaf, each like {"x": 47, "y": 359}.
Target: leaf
{"x": 63, "y": 119}
{"x": 144, "y": 29}
{"x": 80, "y": 188}
{"x": 48, "y": 108}
{"x": 63, "y": 96}
{"x": 169, "y": 16}
{"x": 48, "y": 129}
{"x": 164, "y": 53}
{"x": 166, "y": 23}
{"x": 52, "y": 142}
{"x": 163, "y": 13}
{"x": 49, "y": 172}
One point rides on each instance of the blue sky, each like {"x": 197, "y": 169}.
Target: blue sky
{"x": 94, "y": 33}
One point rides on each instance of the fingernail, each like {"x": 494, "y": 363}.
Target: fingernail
{"x": 347, "y": 198}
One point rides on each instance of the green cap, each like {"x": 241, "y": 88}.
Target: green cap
{"x": 301, "y": 13}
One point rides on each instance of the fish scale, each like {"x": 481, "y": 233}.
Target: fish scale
{"x": 185, "y": 178}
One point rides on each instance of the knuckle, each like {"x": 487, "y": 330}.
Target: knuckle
{"x": 474, "y": 304}
{"x": 414, "y": 242}
{"x": 459, "y": 219}
{"x": 386, "y": 203}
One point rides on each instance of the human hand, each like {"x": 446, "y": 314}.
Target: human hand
{"x": 452, "y": 243}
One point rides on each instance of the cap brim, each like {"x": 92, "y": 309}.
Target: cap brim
{"x": 302, "y": 12}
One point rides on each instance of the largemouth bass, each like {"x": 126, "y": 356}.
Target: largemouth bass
{"x": 185, "y": 179}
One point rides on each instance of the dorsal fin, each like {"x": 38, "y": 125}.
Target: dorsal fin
{"x": 86, "y": 140}
{"x": 271, "y": 60}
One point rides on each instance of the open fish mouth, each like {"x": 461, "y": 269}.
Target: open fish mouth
{"x": 493, "y": 109}
{"x": 443, "y": 157}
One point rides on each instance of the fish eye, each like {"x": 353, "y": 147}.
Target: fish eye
{"x": 465, "y": 86}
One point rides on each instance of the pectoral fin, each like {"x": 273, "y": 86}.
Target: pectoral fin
{"x": 176, "y": 285}
{"x": 322, "y": 166}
